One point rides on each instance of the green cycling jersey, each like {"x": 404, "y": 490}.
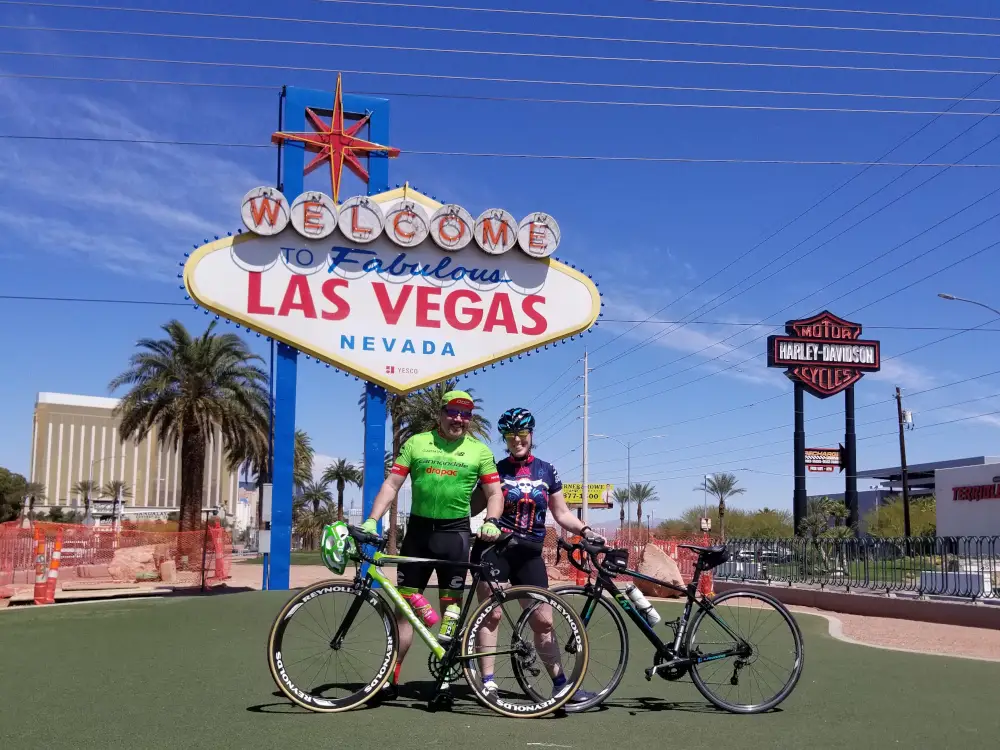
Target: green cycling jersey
{"x": 444, "y": 473}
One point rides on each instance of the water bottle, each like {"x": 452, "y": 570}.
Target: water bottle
{"x": 449, "y": 624}
{"x": 424, "y": 610}
{"x": 642, "y": 605}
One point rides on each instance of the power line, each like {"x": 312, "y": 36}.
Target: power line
{"x": 788, "y": 224}
{"x": 658, "y": 19}
{"x": 914, "y": 394}
{"x": 470, "y": 154}
{"x": 489, "y": 79}
{"x": 475, "y": 52}
{"x": 752, "y": 358}
{"x": 453, "y": 30}
{"x": 810, "y": 9}
{"x": 108, "y": 300}
{"x": 838, "y": 280}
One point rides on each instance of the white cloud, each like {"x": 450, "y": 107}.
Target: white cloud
{"x": 132, "y": 208}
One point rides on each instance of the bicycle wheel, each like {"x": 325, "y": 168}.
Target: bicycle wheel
{"x": 322, "y": 669}
{"x": 745, "y": 612}
{"x": 608, "y": 645}
{"x": 493, "y": 644}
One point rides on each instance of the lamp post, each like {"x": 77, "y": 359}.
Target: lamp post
{"x": 953, "y": 298}
{"x": 628, "y": 465}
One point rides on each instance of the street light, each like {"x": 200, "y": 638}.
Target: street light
{"x": 953, "y": 298}
{"x": 628, "y": 459}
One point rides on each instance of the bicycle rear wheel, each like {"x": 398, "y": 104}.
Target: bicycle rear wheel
{"x": 738, "y": 683}
{"x": 331, "y": 647}
{"x": 494, "y": 644}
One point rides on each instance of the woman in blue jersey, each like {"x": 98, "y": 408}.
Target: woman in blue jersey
{"x": 531, "y": 488}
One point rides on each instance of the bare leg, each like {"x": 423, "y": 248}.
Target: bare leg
{"x": 486, "y": 636}
{"x": 545, "y": 639}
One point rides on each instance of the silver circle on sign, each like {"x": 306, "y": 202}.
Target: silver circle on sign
{"x": 452, "y": 227}
{"x": 254, "y": 257}
{"x": 314, "y": 215}
{"x": 361, "y": 219}
{"x": 265, "y": 211}
{"x": 407, "y": 223}
{"x": 496, "y": 231}
{"x": 538, "y": 235}
{"x": 304, "y": 261}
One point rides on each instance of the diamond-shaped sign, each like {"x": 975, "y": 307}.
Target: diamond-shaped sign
{"x": 403, "y": 317}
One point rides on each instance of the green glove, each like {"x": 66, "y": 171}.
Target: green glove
{"x": 370, "y": 526}
{"x": 489, "y": 531}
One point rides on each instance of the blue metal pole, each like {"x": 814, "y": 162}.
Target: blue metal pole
{"x": 375, "y": 396}
{"x": 286, "y": 376}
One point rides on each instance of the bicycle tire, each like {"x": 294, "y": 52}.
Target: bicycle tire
{"x": 567, "y": 593}
{"x": 543, "y": 706}
{"x": 789, "y": 686}
{"x": 280, "y": 624}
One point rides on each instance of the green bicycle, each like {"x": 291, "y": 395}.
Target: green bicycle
{"x": 334, "y": 644}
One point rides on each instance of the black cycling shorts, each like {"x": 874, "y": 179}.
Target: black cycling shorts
{"x": 441, "y": 539}
{"x": 518, "y": 560}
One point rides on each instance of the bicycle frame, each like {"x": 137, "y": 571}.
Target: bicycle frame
{"x": 670, "y": 651}
{"x": 363, "y": 581}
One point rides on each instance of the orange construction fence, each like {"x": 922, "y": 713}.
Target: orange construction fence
{"x": 78, "y": 557}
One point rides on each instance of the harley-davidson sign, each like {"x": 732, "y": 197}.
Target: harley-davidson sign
{"x": 824, "y": 353}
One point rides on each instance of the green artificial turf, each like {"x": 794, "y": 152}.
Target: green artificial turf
{"x": 191, "y": 673}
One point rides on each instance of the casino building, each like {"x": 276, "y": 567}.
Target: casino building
{"x": 76, "y": 438}
{"x": 967, "y": 491}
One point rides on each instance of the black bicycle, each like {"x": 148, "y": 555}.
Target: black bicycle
{"x": 717, "y": 645}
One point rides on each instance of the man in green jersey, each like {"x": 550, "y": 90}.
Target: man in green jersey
{"x": 444, "y": 466}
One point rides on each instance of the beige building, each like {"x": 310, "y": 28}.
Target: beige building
{"x": 77, "y": 438}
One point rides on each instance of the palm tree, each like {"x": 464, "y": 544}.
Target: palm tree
{"x": 621, "y": 497}
{"x": 423, "y": 411}
{"x": 342, "y": 473}
{"x": 642, "y": 493}
{"x": 318, "y": 495}
{"x": 721, "y": 486}
{"x": 116, "y": 488}
{"x": 188, "y": 387}
{"x": 302, "y": 462}
{"x": 87, "y": 489}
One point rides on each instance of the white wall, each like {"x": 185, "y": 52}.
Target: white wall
{"x": 967, "y": 517}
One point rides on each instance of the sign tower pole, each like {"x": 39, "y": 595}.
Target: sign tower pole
{"x": 851, "y": 451}
{"x": 295, "y": 101}
{"x": 799, "y": 499}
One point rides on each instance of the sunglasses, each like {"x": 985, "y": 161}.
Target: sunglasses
{"x": 458, "y": 414}
{"x": 523, "y": 434}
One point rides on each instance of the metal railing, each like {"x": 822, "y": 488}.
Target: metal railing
{"x": 966, "y": 567}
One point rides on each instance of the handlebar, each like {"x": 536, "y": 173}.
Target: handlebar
{"x": 592, "y": 550}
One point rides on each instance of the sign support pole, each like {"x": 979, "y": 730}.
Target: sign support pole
{"x": 586, "y": 426}
{"x": 799, "y": 498}
{"x": 851, "y": 449}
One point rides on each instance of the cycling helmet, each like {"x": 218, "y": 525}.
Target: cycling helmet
{"x": 516, "y": 419}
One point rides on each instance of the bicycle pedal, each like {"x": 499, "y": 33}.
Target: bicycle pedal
{"x": 650, "y": 671}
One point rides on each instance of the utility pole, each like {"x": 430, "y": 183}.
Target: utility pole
{"x": 586, "y": 435}
{"x": 902, "y": 466}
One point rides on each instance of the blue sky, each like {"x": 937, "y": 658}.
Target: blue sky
{"x": 112, "y": 220}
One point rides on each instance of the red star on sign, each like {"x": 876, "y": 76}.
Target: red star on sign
{"x": 335, "y": 144}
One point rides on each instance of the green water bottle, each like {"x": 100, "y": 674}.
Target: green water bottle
{"x": 449, "y": 623}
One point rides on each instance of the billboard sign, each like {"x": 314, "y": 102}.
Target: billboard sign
{"x": 825, "y": 459}
{"x": 824, "y": 353}
{"x": 598, "y": 495}
{"x": 395, "y": 288}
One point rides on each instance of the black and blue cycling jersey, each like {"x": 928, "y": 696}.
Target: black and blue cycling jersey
{"x": 526, "y": 485}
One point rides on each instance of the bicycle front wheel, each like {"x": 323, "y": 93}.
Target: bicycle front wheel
{"x": 332, "y": 647}
{"x": 607, "y": 640}
{"x": 525, "y": 666}
{"x": 767, "y": 662}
